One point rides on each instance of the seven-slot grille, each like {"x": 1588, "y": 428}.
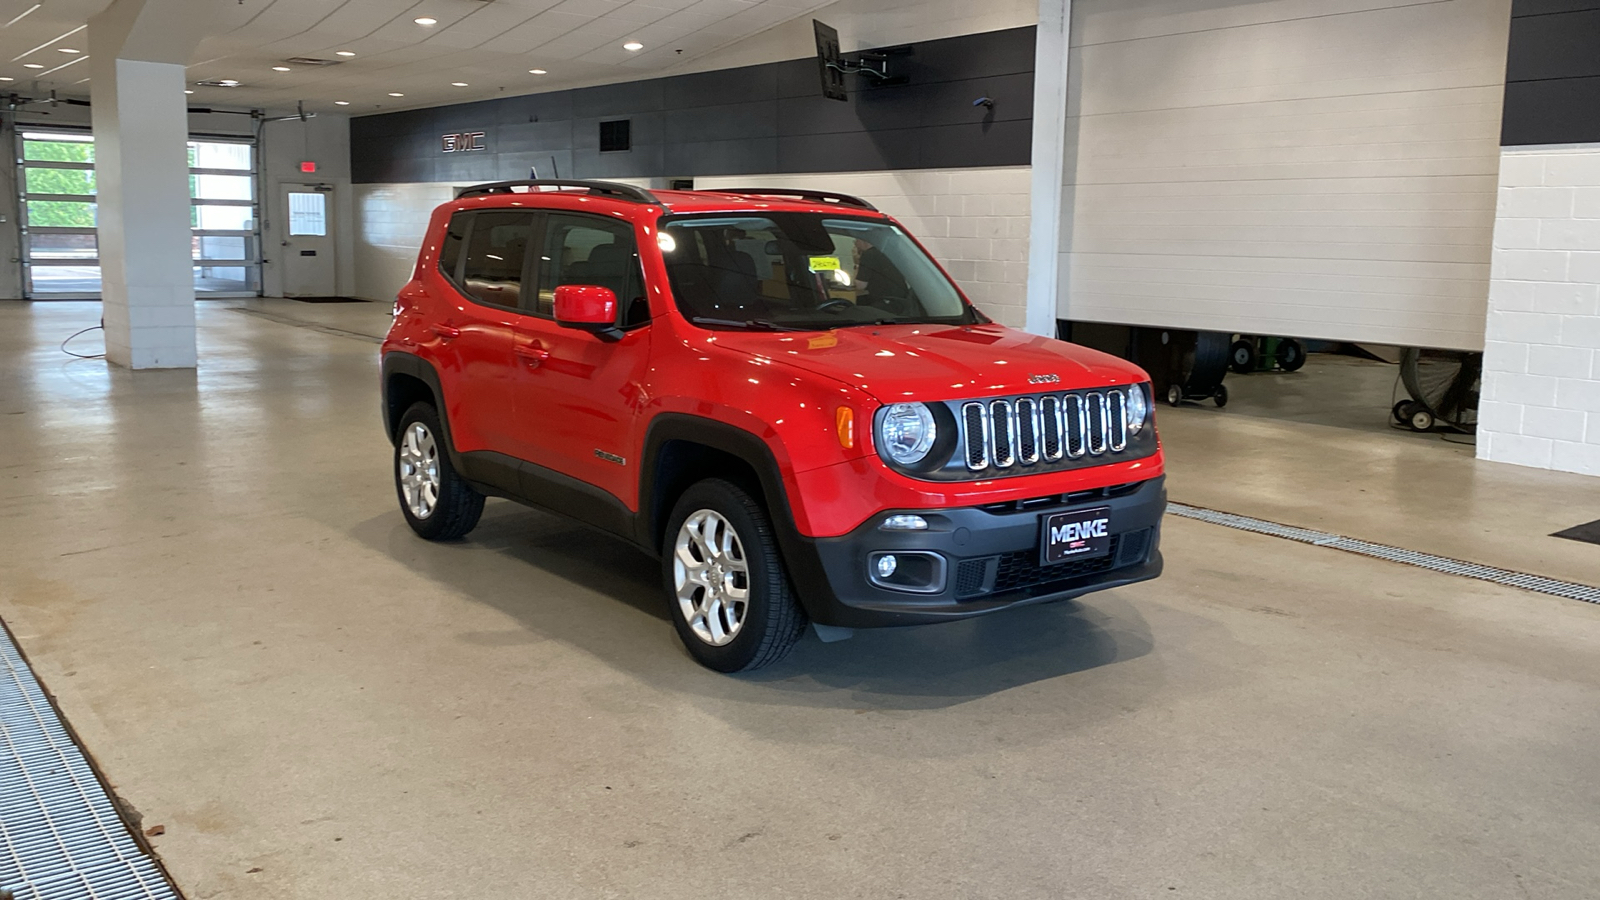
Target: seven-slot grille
{"x": 1001, "y": 434}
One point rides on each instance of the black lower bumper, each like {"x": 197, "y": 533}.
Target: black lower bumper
{"x": 991, "y": 560}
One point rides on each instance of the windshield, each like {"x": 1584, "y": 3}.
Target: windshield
{"x": 804, "y": 271}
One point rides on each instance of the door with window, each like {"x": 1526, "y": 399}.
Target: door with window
{"x": 484, "y": 256}
{"x": 309, "y": 268}
{"x": 580, "y": 397}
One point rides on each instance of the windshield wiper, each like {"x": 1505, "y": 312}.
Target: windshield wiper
{"x": 747, "y": 324}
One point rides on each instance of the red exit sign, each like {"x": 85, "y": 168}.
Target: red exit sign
{"x": 308, "y": 166}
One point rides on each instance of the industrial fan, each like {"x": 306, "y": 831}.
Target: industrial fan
{"x": 1443, "y": 385}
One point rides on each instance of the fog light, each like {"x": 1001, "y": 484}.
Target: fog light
{"x": 905, "y": 523}
{"x": 914, "y": 571}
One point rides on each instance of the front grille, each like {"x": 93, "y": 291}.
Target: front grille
{"x": 1021, "y": 569}
{"x": 1001, "y": 434}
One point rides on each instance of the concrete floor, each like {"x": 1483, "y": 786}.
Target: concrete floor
{"x": 209, "y": 571}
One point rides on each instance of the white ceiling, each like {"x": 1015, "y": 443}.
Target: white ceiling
{"x": 489, "y": 45}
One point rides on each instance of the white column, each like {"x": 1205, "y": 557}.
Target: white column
{"x": 138, "y": 51}
{"x": 1049, "y": 160}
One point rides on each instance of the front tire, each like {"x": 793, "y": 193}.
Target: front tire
{"x": 726, "y": 584}
{"x": 437, "y": 502}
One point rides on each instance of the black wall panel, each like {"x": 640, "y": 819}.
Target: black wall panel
{"x": 752, "y": 120}
{"x": 1552, "y": 73}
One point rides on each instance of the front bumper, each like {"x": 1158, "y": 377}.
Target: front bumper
{"x": 991, "y": 559}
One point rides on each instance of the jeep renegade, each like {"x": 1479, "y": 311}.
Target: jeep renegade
{"x": 778, "y": 393}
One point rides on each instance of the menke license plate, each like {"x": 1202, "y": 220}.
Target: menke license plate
{"x": 1082, "y": 534}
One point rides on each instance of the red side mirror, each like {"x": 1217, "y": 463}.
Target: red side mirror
{"x": 586, "y": 306}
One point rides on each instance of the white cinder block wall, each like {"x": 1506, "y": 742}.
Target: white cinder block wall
{"x": 1315, "y": 168}
{"x": 1541, "y": 379}
{"x": 974, "y": 221}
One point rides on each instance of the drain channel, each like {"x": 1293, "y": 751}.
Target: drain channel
{"x": 60, "y": 835}
{"x": 1538, "y": 583}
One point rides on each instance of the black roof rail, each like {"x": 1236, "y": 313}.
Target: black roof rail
{"x": 820, "y": 196}
{"x": 599, "y": 188}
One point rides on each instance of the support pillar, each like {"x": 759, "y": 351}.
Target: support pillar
{"x": 1046, "y": 213}
{"x": 138, "y": 52}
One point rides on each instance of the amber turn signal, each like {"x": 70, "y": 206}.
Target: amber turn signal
{"x": 845, "y": 419}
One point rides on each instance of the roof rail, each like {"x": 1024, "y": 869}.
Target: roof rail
{"x": 819, "y": 196}
{"x": 600, "y": 188}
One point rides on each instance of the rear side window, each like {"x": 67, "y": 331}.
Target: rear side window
{"x": 455, "y": 234}
{"x": 496, "y": 248}
{"x": 592, "y": 250}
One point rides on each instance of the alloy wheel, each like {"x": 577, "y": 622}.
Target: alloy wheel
{"x": 419, "y": 470}
{"x": 712, "y": 577}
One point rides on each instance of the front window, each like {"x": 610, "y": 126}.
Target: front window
{"x": 804, "y": 271}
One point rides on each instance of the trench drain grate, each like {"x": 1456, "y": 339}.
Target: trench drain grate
{"x": 61, "y": 837}
{"x": 1444, "y": 564}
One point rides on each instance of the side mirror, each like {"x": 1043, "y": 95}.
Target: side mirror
{"x": 588, "y": 307}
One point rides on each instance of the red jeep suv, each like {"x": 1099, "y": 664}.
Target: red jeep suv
{"x": 778, "y": 393}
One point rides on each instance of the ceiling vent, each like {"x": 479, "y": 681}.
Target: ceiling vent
{"x": 312, "y": 61}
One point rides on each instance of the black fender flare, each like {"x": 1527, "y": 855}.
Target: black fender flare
{"x": 399, "y": 362}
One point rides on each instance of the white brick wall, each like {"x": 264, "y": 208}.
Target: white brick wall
{"x": 974, "y": 221}
{"x": 1541, "y": 379}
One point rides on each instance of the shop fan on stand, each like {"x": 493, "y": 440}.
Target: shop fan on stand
{"x": 1443, "y": 385}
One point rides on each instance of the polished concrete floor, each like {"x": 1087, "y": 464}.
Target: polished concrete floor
{"x": 209, "y": 571}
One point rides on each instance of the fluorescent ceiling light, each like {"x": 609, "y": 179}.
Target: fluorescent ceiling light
{"x": 341, "y": 103}
{"x": 458, "y": 84}
{"x": 6, "y": 78}
{"x": 67, "y": 50}
{"x": 426, "y": 20}
{"x": 32, "y": 66}
{"x": 344, "y": 53}
{"x": 633, "y": 46}
{"x": 280, "y": 68}
{"x": 537, "y": 72}
{"x": 186, "y": 91}
{"x": 396, "y": 94}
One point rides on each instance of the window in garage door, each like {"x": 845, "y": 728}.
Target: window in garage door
{"x": 60, "y": 250}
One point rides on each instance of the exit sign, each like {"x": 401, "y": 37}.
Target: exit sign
{"x": 308, "y": 166}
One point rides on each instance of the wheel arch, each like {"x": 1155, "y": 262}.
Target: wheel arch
{"x": 408, "y": 379}
{"x": 682, "y": 449}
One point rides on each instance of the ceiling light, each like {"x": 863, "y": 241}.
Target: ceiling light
{"x": 186, "y": 92}
{"x": 280, "y": 68}
{"x": 32, "y": 66}
{"x": 6, "y": 78}
{"x": 344, "y": 53}
{"x": 633, "y": 46}
{"x": 426, "y": 20}
{"x": 537, "y": 72}
{"x": 229, "y": 82}
{"x": 341, "y": 103}
{"x": 67, "y": 50}
{"x": 396, "y": 94}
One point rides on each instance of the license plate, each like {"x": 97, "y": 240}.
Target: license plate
{"x": 1082, "y": 534}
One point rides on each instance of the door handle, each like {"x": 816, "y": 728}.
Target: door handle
{"x": 445, "y": 331}
{"x": 532, "y": 354}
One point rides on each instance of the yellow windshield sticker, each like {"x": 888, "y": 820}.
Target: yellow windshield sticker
{"x": 824, "y": 263}
{"x": 823, "y": 342}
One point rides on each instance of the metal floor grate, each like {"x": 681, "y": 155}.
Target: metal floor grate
{"x": 1539, "y": 583}
{"x": 60, "y": 835}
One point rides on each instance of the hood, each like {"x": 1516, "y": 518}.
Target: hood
{"x": 939, "y": 362}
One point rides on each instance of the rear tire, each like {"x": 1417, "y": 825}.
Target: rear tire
{"x": 726, "y": 584}
{"x": 437, "y": 502}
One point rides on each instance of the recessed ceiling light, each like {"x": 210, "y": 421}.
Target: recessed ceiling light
{"x": 186, "y": 92}
{"x": 280, "y": 68}
{"x": 6, "y": 78}
{"x": 67, "y": 50}
{"x": 341, "y": 103}
{"x": 229, "y": 82}
{"x": 537, "y": 72}
{"x": 458, "y": 84}
{"x": 32, "y": 66}
{"x": 344, "y": 53}
{"x": 633, "y": 46}
{"x": 396, "y": 94}
{"x": 426, "y": 20}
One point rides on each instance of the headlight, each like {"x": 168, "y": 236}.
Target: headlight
{"x": 906, "y": 432}
{"x": 1138, "y": 408}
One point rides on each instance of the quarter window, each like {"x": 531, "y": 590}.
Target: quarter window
{"x": 455, "y": 234}
{"x": 496, "y": 251}
{"x": 587, "y": 250}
